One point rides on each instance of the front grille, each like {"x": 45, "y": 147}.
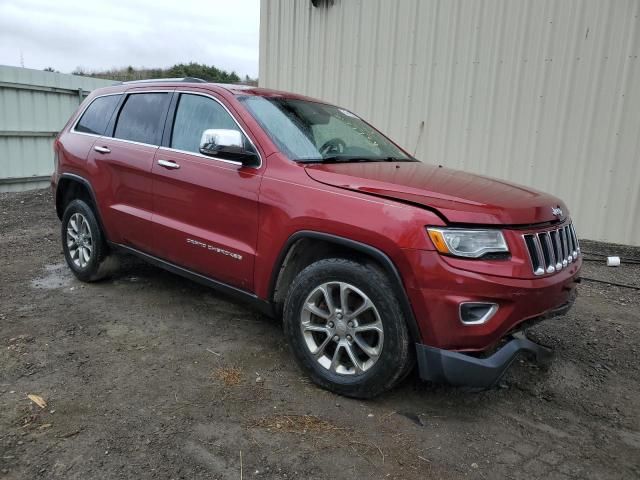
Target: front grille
{"x": 553, "y": 250}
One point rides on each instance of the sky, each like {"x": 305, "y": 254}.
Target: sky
{"x": 97, "y": 35}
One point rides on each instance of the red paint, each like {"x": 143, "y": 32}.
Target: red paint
{"x": 461, "y": 197}
{"x": 252, "y": 212}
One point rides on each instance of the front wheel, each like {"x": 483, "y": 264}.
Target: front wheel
{"x": 346, "y": 328}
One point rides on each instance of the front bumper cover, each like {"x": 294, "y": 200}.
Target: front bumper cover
{"x": 457, "y": 368}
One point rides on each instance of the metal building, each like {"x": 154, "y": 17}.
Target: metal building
{"x": 34, "y": 106}
{"x": 544, "y": 93}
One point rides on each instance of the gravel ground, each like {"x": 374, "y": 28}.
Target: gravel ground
{"x": 147, "y": 375}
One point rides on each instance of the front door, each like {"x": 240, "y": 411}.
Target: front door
{"x": 205, "y": 209}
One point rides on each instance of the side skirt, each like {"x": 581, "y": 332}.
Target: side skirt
{"x": 253, "y": 300}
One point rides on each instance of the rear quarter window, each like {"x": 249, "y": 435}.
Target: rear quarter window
{"x": 142, "y": 118}
{"x": 96, "y": 117}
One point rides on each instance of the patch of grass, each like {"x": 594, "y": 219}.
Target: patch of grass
{"x": 229, "y": 376}
{"x": 295, "y": 424}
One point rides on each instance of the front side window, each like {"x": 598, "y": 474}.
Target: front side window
{"x": 96, "y": 117}
{"x": 315, "y": 132}
{"x": 142, "y": 118}
{"x": 194, "y": 115}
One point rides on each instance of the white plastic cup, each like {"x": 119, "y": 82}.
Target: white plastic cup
{"x": 613, "y": 261}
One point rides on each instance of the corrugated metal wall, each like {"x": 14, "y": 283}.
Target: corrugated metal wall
{"x": 543, "y": 93}
{"x": 34, "y": 106}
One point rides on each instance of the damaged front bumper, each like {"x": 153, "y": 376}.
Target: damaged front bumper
{"x": 463, "y": 369}
{"x": 456, "y": 368}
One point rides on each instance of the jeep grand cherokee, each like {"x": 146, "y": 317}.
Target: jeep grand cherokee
{"x": 374, "y": 260}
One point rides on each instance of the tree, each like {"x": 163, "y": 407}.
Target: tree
{"x": 205, "y": 72}
{"x": 209, "y": 73}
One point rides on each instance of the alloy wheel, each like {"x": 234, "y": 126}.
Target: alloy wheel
{"x": 342, "y": 328}
{"x": 79, "y": 240}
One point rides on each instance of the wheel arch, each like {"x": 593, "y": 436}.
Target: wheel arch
{"x": 70, "y": 187}
{"x": 294, "y": 257}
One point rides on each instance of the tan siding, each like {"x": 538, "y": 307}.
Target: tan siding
{"x": 542, "y": 93}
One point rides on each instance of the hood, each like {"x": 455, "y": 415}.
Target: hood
{"x": 458, "y": 196}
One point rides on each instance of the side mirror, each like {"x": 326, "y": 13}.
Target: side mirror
{"x": 226, "y": 144}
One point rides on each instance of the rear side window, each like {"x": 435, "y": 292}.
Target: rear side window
{"x": 142, "y": 118}
{"x": 97, "y": 115}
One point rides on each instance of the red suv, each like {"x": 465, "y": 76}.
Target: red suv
{"x": 374, "y": 260}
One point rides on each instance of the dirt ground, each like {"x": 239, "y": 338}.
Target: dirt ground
{"x": 147, "y": 375}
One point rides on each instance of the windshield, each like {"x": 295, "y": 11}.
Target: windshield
{"x": 315, "y": 132}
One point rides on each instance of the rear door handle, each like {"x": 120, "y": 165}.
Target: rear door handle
{"x": 168, "y": 164}
{"x": 102, "y": 149}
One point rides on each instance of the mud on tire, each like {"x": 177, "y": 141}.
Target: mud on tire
{"x": 83, "y": 242}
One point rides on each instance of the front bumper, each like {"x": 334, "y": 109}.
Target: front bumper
{"x": 457, "y": 368}
{"x": 439, "y": 285}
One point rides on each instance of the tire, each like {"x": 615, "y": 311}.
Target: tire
{"x": 79, "y": 218}
{"x": 311, "y": 328}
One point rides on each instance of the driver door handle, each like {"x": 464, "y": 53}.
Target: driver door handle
{"x": 168, "y": 164}
{"x": 102, "y": 149}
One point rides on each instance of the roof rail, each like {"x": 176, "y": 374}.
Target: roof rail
{"x": 183, "y": 80}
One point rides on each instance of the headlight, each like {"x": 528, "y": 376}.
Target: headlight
{"x": 463, "y": 242}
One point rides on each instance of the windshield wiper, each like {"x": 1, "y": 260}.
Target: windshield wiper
{"x": 339, "y": 159}
{"x": 349, "y": 159}
{"x": 397, "y": 159}
{"x": 346, "y": 159}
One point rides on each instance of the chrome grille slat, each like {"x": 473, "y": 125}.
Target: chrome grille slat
{"x": 556, "y": 248}
{"x": 551, "y": 263}
{"x": 569, "y": 245}
{"x": 565, "y": 250}
{"x": 552, "y": 250}
{"x": 535, "y": 254}
{"x": 576, "y": 247}
{"x": 541, "y": 265}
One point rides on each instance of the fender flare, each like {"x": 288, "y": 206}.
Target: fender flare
{"x": 87, "y": 185}
{"x": 382, "y": 258}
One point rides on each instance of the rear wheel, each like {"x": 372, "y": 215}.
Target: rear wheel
{"x": 83, "y": 242}
{"x": 346, "y": 328}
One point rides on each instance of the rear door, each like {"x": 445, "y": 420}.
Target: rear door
{"x": 123, "y": 160}
{"x": 205, "y": 208}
